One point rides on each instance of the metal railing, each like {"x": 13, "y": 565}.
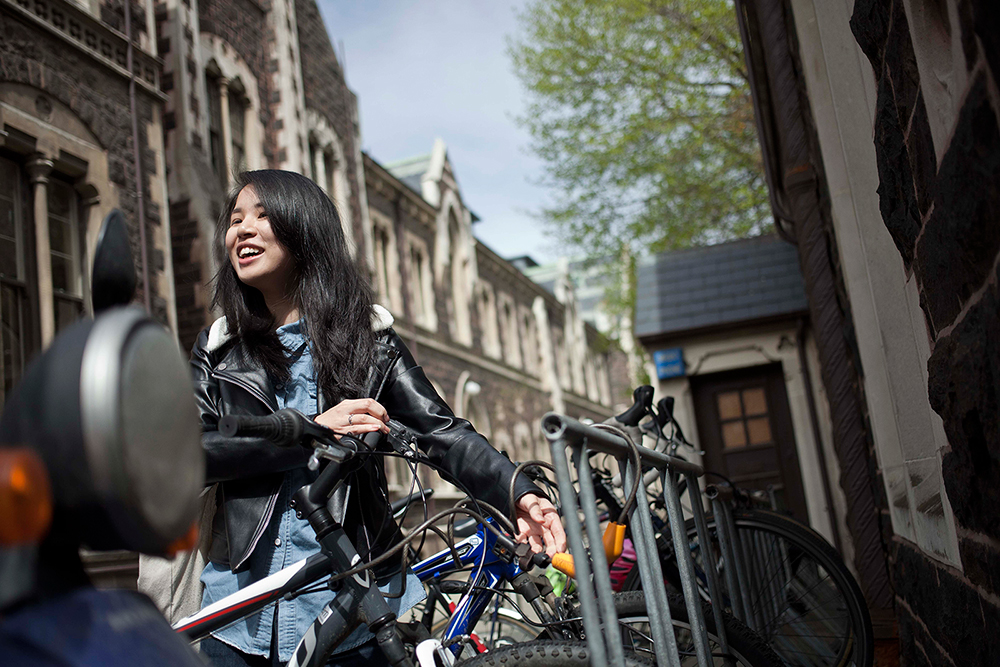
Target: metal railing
{"x": 569, "y": 436}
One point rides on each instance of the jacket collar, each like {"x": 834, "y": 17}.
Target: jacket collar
{"x": 219, "y": 334}
{"x": 235, "y": 367}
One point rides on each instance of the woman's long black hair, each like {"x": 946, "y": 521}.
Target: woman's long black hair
{"x": 332, "y": 294}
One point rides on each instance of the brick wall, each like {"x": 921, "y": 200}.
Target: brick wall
{"x": 944, "y": 217}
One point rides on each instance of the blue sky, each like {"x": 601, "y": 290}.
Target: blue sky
{"x": 439, "y": 69}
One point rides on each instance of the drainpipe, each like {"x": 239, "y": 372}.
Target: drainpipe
{"x": 800, "y": 343}
{"x": 796, "y": 174}
{"x": 140, "y": 204}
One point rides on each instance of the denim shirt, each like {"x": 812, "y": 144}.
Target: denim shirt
{"x": 288, "y": 540}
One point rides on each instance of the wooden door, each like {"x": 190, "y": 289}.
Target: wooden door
{"x": 746, "y": 431}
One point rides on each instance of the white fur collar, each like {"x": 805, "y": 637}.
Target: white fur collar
{"x": 219, "y": 333}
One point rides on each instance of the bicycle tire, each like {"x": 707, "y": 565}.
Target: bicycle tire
{"x": 850, "y": 640}
{"x": 542, "y": 653}
{"x": 747, "y": 647}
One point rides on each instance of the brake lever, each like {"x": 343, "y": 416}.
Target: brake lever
{"x": 345, "y": 449}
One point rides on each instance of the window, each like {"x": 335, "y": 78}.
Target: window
{"x": 508, "y": 325}
{"x": 64, "y": 251}
{"x": 217, "y": 151}
{"x": 381, "y": 239}
{"x": 529, "y": 341}
{"x": 330, "y": 167}
{"x": 228, "y": 105}
{"x": 14, "y": 334}
{"x": 420, "y": 288}
{"x": 743, "y": 418}
{"x": 488, "y": 321}
{"x": 237, "y": 124}
{"x": 461, "y": 327}
{"x": 562, "y": 359}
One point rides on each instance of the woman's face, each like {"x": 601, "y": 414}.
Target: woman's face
{"x": 259, "y": 259}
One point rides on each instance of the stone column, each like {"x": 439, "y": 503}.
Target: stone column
{"x": 93, "y": 217}
{"x": 227, "y": 130}
{"x": 319, "y": 168}
{"x": 39, "y": 168}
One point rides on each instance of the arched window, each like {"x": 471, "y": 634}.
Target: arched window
{"x": 229, "y": 107}
{"x": 458, "y": 259}
{"x": 509, "y": 328}
{"x": 488, "y": 320}
{"x": 529, "y": 341}
{"x": 328, "y": 168}
{"x": 388, "y": 281}
{"x": 420, "y": 283}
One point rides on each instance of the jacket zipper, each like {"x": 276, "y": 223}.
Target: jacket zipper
{"x": 262, "y": 525}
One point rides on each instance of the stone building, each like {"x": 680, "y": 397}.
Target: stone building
{"x": 879, "y": 125}
{"x": 224, "y": 85}
{"x": 80, "y": 135}
{"x": 501, "y": 349}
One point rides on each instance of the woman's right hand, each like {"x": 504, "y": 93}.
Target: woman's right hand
{"x": 356, "y": 416}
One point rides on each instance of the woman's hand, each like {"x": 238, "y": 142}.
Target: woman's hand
{"x": 356, "y": 416}
{"x": 539, "y": 523}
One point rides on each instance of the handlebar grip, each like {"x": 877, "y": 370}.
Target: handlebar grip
{"x": 643, "y": 397}
{"x": 282, "y": 428}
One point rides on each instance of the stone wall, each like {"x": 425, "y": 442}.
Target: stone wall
{"x": 52, "y": 63}
{"x": 939, "y": 170}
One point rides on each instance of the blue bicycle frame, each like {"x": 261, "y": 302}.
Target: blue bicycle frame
{"x": 480, "y": 551}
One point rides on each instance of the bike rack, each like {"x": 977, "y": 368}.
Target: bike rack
{"x": 568, "y": 435}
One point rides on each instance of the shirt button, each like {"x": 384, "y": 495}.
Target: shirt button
{"x": 277, "y": 541}
{"x": 222, "y": 366}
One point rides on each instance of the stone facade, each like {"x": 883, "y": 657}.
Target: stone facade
{"x": 69, "y": 158}
{"x": 522, "y": 351}
{"x": 937, "y": 143}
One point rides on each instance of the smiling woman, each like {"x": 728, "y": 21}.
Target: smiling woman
{"x": 259, "y": 259}
{"x": 300, "y": 331}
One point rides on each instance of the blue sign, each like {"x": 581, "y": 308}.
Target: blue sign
{"x": 669, "y": 363}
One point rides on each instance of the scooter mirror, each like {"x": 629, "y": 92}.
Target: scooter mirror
{"x": 113, "y": 280}
{"x": 109, "y": 409}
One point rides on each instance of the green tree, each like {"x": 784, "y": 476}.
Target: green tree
{"x": 641, "y": 112}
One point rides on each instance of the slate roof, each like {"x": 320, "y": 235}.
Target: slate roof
{"x": 723, "y": 284}
{"x": 410, "y": 170}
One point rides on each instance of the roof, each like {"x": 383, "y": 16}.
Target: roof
{"x": 724, "y": 284}
{"x": 410, "y": 171}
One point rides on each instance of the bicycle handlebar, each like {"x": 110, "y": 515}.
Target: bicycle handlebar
{"x": 283, "y": 428}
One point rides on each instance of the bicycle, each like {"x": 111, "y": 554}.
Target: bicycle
{"x": 496, "y": 555}
{"x": 357, "y": 600}
{"x": 798, "y": 593}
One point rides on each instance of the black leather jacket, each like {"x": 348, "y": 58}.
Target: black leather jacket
{"x": 251, "y": 470}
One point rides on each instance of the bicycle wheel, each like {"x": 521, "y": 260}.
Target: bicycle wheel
{"x": 746, "y": 648}
{"x": 803, "y": 599}
{"x": 543, "y": 653}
